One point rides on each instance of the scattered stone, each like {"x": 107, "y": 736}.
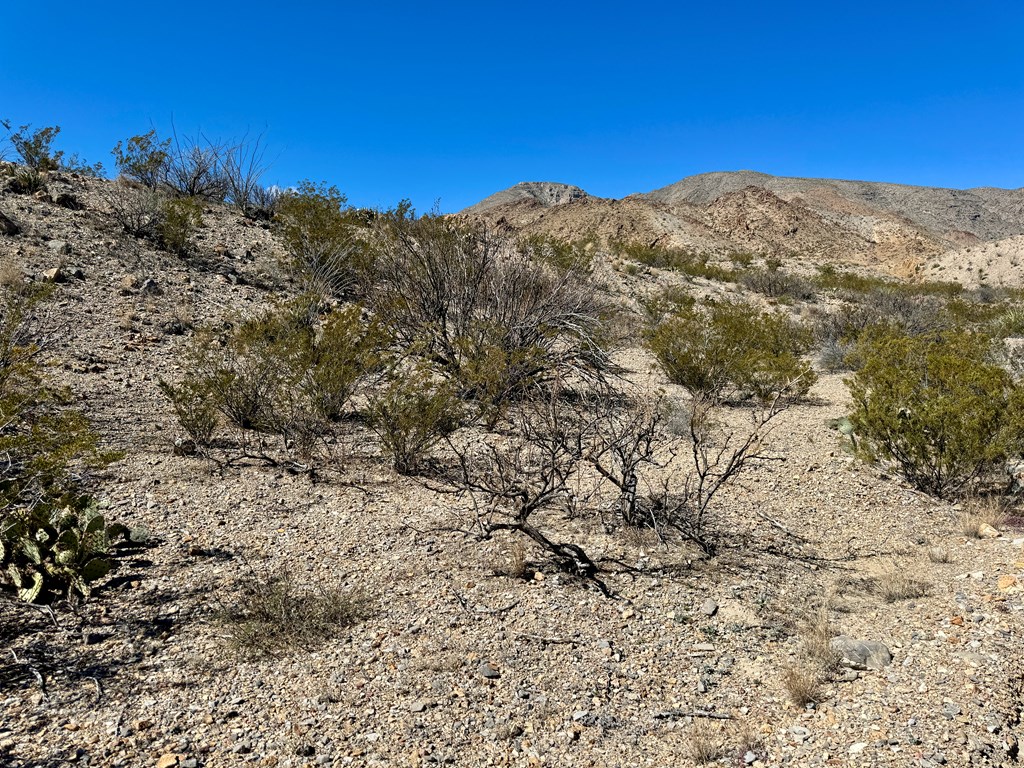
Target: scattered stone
{"x": 489, "y": 671}
{"x": 59, "y": 246}
{"x": 858, "y": 747}
{"x": 862, "y": 654}
{"x": 170, "y": 760}
{"x": 986, "y": 531}
{"x": 1008, "y": 583}
{"x": 710, "y": 607}
{"x": 7, "y": 226}
{"x": 68, "y": 200}
{"x": 749, "y": 757}
{"x": 55, "y": 275}
{"x": 151, "y": 287}
{"x": 419, "y": 706}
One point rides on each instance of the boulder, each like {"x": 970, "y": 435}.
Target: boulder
{"x": 7, "y": 226}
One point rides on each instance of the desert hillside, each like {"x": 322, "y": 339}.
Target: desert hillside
{"x": 302, "y": 598}
{"x": 894, "y": 228}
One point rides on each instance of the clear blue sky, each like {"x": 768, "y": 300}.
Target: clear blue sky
{"x": 453, "y": 101}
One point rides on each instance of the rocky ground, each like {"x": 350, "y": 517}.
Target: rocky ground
{"x": 453, "y": 663}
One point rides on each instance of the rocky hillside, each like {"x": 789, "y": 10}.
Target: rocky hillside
{"x": 894, "y": 228}
{"x": 476, "y": 651}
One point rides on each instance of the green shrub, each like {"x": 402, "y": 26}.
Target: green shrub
{"x": 483, "y": 311}
{"x": 288, "y": 372}
{"x": 939, "y": 406}
{"x": 564, "y": 255}
{"x": 52, "y": 537}
{"x": 322, "y": 237}
{"x": 35, "y": 148}
{"x": 775, "y": 283}
{"x": 411, "y": 413}
{"x": 181, "y": 218}
{"x": 733, "y": 350}
{"x": 675, "y": 259}
{"x": 143, "y": 159}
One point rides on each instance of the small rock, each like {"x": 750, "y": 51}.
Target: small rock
{"x": 862, "y": 654}
{"x": 986, "y": 531}
{"x": 749, "y": 757}
{"x": 59, "y": 246}
{"x": 858, "y": 747}
{"x": 1008, "y": 583}
{"x": 68, "y": 200}
{"x": 710, "y": 607}
{"x": 170, "y": 760}
{"x": 55, "y": 275}
{"x": 151, "y": 287}
{"x": 7, "y": 226}
{"x": 419, "y": 706}
{"x": 489, "y": 671}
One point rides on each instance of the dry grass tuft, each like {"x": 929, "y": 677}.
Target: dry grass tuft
{"x": 273, "y": 615}
{"x": 979, "y": 512}
{"x": 802, "y": 684}
{"x": 12, "y": 276}
{"x": 900, "y": 582}
{"x": 816, "y": 641}
{"x": 939, "y": 554}
{"x": 516, "y": 565}
{"x": 706, "y": 743}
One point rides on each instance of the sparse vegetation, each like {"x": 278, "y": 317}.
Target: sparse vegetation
{"x": 278, "y": 613}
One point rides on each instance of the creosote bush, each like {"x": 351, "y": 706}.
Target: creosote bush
{"x": 729, "y": 350}
{"x": 939, "y": 406}
{"x": 411, "y": 413}
{"x": 289, "y": 372}
{"x": 483, "y": 311}
{"x": 180, "y": 219}
{"x": 143, "y": 159}
{"x": 674, "y": 259}
{"x": 323, "y": 238}
{"x": 35, "y": 148}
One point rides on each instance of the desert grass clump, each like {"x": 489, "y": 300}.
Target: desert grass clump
{"x": 276, "y": 614}
{"x": 981, "y": 515}
{"x": 937, "y": 554}
{"x": 898, "y": 582}
{"x": 706, "y": 744}
{"x": 802, "y": 684}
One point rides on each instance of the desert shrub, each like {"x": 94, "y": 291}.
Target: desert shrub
{"x": 278, "y": 613}
{"x": 732, "y": 349}
{"x": 322, "y": 237}
{"x": 483, "y": 311}
{"x": 139, "y": 211}
{"x": 53, "y": 537}
{"x": 288, "y": 372}
{"x": 35, "y": 148}
{"x": 82, "y": 167}
{"x": 143, "y": 159}
{"x": 774, "y": 283}
{"x": 939, "y": 406}
{"x": 1009, "y": 323}
{"x": 675, "y": 259}
{"x": 668, "y": 301}
{"x": 180, "y": 219}
{"x": 411, "y": 413}
{"x": 565, "y": 255}
{"x": 195, "y": 167}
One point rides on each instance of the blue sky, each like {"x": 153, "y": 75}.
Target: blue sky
{"x": 449, "y": 102}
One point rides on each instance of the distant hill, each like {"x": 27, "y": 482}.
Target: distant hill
{"x": 894, "y": 227}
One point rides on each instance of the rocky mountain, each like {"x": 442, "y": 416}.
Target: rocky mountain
{"x": 539, "y": 192}
{"x": 896, "y": 228}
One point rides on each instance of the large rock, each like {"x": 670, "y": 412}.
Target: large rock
{"x": 862, "y": 654}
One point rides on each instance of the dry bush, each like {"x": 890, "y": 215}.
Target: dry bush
{"x": 483, "y": 311}
{"x": 802, "y": 684}
{"x": 706, "y": 743}
{"x": 939, "y": 554}
{"x": 138, "y": 210}
{"x": 900, "y": 582}
{"x": 243, "y": 170}
{"x": 276, "y": 613}
{"x": 982, "y": 511}
{"x": 195, "y": 167}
